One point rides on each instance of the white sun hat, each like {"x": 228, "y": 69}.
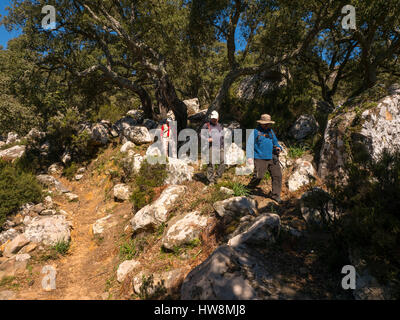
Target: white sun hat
{"x": 214, "y": 115}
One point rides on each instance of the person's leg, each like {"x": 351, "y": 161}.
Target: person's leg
{"x": 260, "y": 167}
{"x": 210, "y": 168}
{"x": 221, "y": 165}
{"x": 276, "y": 175}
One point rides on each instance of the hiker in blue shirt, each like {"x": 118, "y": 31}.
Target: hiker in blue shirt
{"x": 263, "y": 149}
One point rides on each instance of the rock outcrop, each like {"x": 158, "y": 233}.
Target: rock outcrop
{"x": 183, "y": 229}
{"x": 156, "y": 213}
{"x": 303, "y": 174}
{"x": 360, "y": 133}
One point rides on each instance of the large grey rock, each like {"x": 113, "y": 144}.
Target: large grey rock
{"x": 232, "y": 208}
{"x": 12, "y": 153}
{"x": 316, "y": 207}
{"x": 132, "y": 163}
{"x": 50, "y": 181}
{"x": 99, "y": 133}
{"x": 15, "y": 245}
{"x": 137, "y": 115}
{"x": 178, "y": 171}
{"x": 156, "y": 285}
{"x": 125, "y": 268}
{"x": 261, "y": 84}
{"x": 12, "y": 137}
{"x": 265, "y": 229}
{"x": 103, "y": 224}
{"x": 48, "y": 230}
{"x": 302, "y": 175}
{"x": 139, "y": 135}
{"x": 219, "y": 277}
{"x": 127, "y": 146}
{"x": 365, "y": 135}
{"x": 193, "y": 106}
{"x": 123, "y": 125}
{"x": 122, "y": 192}
{"x": 35, "y": 135}
{"x": 150, "y": 124}
{"x": 234, "y": 155}
{"x": 304, "y": 126}
{"x": 156, "y": 213}
{"x": 9, "y": 234}
{"x": 55, "y": 168}
{"x": 183, "y": 229}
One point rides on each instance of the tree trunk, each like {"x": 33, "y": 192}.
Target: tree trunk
{"x": 146, "y": 103}
{"x": 167, "y": 96}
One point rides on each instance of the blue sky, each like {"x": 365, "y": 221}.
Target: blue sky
{"x": 4, "y": 35}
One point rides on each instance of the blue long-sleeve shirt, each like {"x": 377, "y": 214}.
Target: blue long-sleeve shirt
{"x": 260, "y": 144}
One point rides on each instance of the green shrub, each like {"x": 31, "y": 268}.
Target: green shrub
{"x": 16, "y": 188}
{"x": 372, "y": 198}
{"x": 132, "y": 248}
{"x": 240, "y": 190}
{"x": 70, "y": 171}
{"x": 296, "y": 151}
{"x": 149, "y": 177}
{"x": 61, "y": 247}
{"x": 110, "y": 112}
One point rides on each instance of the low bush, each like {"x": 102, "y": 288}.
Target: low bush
{"x": 149, "y": 177}
{"x": 16, "y": 188}
{"x": 371, "y": 199}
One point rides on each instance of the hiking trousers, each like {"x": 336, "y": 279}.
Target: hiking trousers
{"x": 212, "y": 173}
{"x": 260, "y": 168}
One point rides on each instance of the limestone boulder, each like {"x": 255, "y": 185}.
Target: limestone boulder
{"x": 304, "y": 126}
{"x": 303, "y": 174}
{"x": 360, "y": 133}
{"x": 12, "y": 153}
{"x": 156, "y": 213}
{"x": 48, "y": 229}
{"x": 183, "y": 229}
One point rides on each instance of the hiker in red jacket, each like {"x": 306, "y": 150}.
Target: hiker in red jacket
{"x": 166, "y": 138}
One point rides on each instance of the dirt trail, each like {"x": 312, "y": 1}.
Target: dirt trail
{"x": 84, "y": 271}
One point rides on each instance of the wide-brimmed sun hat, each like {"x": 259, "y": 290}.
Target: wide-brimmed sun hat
{"x": 265, "y": 119}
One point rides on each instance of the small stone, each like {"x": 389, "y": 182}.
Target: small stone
{"x": 81, "y": 170}
{"x": 78, "y": 177}
{"x": 71, "y": 196}
{"x": 7, "y": 295}
{"x": 48, "y": 202}
{"x": 125, "y": 268}
{"x": 227, "y": 191}
{"x": 49, "y": 212}
{"x": 22, "y": 257}
{"x": 15, "y": 245}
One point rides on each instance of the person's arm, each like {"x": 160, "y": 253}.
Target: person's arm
{"x": 275, "y": 141}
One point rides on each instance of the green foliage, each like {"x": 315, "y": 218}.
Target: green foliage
{"x": 110, "y": 112}
{"x": 150, "y": 289}
{"x": 132, "y": 248}
{"x": 372, "y": 198}
{"x": 61, "y": 247}
{"x": 70, "y": 170}
{"x": 127, "y": 251}
{"x": 296, "y": 151}
{"x": 16, "y": 188}
{"x": 149, "y": 177}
